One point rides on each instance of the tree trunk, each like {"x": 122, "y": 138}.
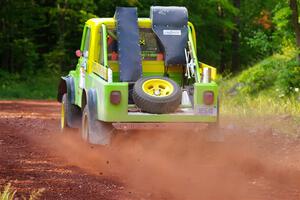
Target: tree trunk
{"x": 222, "y": 42}
{"x": 295, "y": 23}
{"x": 235, "y": 40}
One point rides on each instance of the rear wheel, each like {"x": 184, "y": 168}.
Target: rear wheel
{"x": 157, "y": 95}
{"x": 94, "y": 131}
{"x": 63, "y": 119}
{"x": 70, "y": 115}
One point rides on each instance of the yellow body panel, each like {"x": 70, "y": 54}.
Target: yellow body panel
{"x": 100, "y": 70}
{"x": 62, "y": 116}
{"x": 213, "y": 70}
{"x": 148, "y": 66}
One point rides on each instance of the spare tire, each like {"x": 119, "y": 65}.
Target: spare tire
{"x": 156, "y": 95}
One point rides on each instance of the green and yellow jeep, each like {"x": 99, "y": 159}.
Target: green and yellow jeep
{"x": 138, "y": 74}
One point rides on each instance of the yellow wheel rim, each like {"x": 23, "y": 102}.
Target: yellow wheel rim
{"x": 62, "y": 117}
{"x": 158, "y": 87}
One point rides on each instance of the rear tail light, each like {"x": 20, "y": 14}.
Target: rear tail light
{"x": 208, "y": 98}
{"x": 115, "y": 97}
{"x": 160, "y": 56}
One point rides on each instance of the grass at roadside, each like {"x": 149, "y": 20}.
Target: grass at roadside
{"x": 270, "y": 87}
{"x": 265, "y": 95}
{"x": 281, "y": 115}
{"x": 9, "y": 193}
{"x": 39, "y": 86}
{"x": 260, "y": 105}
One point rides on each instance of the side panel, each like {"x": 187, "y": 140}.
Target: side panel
{"x": 105, "y": 109}
{"x": 94, "y": 47}
{"x": 199, "y": 106}
{"x": 108, "y": 111}
{"x": 78, "y": 91}
{"x": 82, "y": 62}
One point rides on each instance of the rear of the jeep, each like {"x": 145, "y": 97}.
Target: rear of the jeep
{"x": 143, "y": 74}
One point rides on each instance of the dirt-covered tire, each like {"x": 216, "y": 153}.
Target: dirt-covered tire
{"x": 157, "y": 95}
{"x": 94, "y": 131}
{"x": 70, "y": 115}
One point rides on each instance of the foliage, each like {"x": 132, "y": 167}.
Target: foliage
{"x": 36, "y": 194}
{"x": 283, "y": 35}
{"x": 9, "y": 193}
{"x": 38, "y": 36}
{"x": 18, "y": 86}
{"x": 289, "y": 77}
{"x": 42, "y": 28}
{"x": 279, "y": 72}
{"x": 260, "y": 42}
{"x": 265, "y": 104}
{"x": 261, "y": 76}
{"x": 270, "y": 87}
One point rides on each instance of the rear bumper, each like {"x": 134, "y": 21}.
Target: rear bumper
{"x": 183, "y": 115}
{"x": 123, "y": 112}
{"x": 159, "y": 126}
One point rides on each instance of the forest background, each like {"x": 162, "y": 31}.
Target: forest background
{"x": 253, "y": 43}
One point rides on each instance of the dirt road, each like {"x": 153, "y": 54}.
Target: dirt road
{"x": 249, "y": 165}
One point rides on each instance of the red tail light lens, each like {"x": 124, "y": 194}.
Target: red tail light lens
{"x": 208, "y": 98}
{"x": 78, "y": 53}
{"x": 115, "y": 97}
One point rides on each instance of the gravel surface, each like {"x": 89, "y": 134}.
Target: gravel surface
{"x": 250, "y": 164}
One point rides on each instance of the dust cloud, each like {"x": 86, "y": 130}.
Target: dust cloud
{"x": 183, "y": 165}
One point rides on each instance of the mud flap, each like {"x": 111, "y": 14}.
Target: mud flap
{"x": 66, "y": 85}
{"x": 99, "y": 132}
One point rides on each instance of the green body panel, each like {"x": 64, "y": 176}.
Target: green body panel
{"x": 145, "y": 117}
{"x": 82, "y": 39}
{"x": 200, "y": 88}
{"x": 119, "y": 113}
{"x": 106, "y": 111}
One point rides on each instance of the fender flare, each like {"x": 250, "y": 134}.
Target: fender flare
{"x": 66, "y": 85}
{"x": 92, "y": 103}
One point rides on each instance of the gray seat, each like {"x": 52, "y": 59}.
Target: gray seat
{"x": 170, "y": 24}
{"x": 130, "y": 61}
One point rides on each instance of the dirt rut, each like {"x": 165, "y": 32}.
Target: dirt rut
{"x": 141, "y": 165}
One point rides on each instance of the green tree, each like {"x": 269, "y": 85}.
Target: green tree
{"x": 295, "y": 22}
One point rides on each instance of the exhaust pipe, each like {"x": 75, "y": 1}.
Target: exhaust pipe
{"x": 206, "y": 78}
